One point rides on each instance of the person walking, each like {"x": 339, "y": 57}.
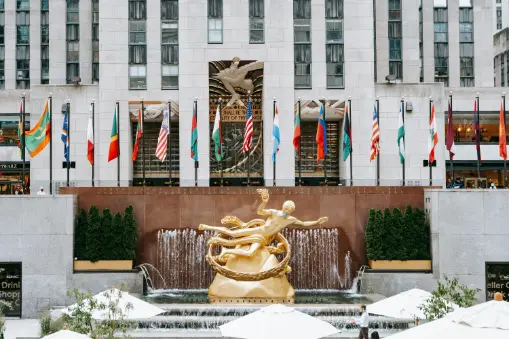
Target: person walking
{"x": 363, "y": 324}
{"x": 41, "y": 191}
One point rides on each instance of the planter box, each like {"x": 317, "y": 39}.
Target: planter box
{"x": 403, "y": 265}
{"x": 103, "y": 265}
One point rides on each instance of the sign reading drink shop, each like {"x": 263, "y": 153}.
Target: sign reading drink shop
{"x": 497, "y": 279}
{"x": 10, "y": 287}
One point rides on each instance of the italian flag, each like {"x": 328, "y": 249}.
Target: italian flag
{"x": 114, "y": 150}
{"x": 401, "y": 137}
{"x": 217, "y": 136}
{"x": 433, "y": 136}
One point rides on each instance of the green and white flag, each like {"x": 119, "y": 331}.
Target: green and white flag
{"x": 217, "y": 137}
{"x": 401, "y": 137}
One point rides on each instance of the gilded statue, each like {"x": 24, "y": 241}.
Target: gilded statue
{"x": 247, "y": 266}
{"x": 235, "y": 76}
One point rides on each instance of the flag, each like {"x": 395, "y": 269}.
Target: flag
{"x": 139, "y": 133}
{"x": 375, "y": 136}
{"x": 502, "y": 139}
{"x": 321, "y": 136}
{"x": 296, "y": 134}
{"x": 347, "y": 136}
{"x": 450, "y": 134}
{"x": 90, "y": 139}
{"x": 114, "y": 150}
{"x": 65, "y": 134}
{"x": 477, "y": 132}
{"x": 21, "y": 126}
{"x": 162, "y": 140}
{"x": 194, "y": 135}
{"x": 401, "y": 137}
{"x": 275, "y": 133}
{"x": 217, "y": 136}
{"x": 248, "y": 133}
{"x": 38, "y": 137}
{"x": 433, "y": 136}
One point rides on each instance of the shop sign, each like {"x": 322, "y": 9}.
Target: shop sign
{"x": 497, "y": 279}
{"x": 10, "y": 287}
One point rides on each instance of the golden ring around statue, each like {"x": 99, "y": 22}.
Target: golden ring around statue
{"x": 278, "y": 270}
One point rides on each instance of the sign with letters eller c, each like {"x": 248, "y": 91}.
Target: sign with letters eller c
{"x": 10, "y": 287}
{"x": 497, "y": 279}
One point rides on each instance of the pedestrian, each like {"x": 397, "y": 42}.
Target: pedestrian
{"x": 375, "y": 335}
{"x": 363, "y": 324}
{"x": 41, "y": 191}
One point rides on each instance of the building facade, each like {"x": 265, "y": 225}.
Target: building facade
{"x": 500, "y": 15}
{"x": 289, "y": 51}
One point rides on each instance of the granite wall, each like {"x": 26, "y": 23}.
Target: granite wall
{"x": 38, "y": 232}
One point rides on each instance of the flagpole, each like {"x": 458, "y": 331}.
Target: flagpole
{"x": 221, "y": 139}
{"x": 273, "y": 119}
{"x": 68, "y": 139}
{"x": 505, "y": 142}
{"x": 249, "y": 150}
{"x": 170, "y": 183}
{"x": 195, "y": 108}
{"x": 143, "y": 138}
{"x": 118, "y": 140}
{"x": 378, "y": 155}
{"x": 93, "y": 139}
{"x": 50, "y": 143}
{"x": 351, "y": 141}
{"x": 403, "y": 118}
{"x": 23, "y": 144}
{"x": 450, "y": 156}
{"x": 300, "y": 147}
{"x": 478, "y": 141}
{"x": 430, "y": 164}
{"x": 325, "y": 142}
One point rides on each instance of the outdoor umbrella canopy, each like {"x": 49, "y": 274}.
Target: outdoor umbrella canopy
{"x": 278, "y": 321}
{"x": 66, "y": 334}
{"x": 139, "y": 310}
{"x": 404, "y": 305}
{"x": 475, "y": 322}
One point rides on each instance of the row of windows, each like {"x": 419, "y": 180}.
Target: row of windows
{"x": 73, "y": 41}
{"x": 95, "y": 41}
{"x": 22, "y": 44}
{"x": 137, "y": 44}
{"x": 395, "y": 39}
{"x": 45, "y": 42}
{"x": 2, "y": 46}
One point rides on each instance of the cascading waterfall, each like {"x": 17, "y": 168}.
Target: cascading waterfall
{"x": 315, "y": 260}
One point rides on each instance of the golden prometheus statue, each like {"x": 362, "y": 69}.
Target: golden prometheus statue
{"x": 247, "y": 266}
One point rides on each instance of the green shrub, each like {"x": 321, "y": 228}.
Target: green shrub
{"x": 108, "y": 235}
{"x": 80, "y": 235}
{"x": 117, "y": 249}
{"x": 130, "y": 234}
{"x": 397, "y": 236}
{"x": 94, "y": 236}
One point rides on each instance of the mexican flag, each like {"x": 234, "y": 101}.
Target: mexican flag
{"x": 401, "y": 137}
{"x": 217, "y": 136}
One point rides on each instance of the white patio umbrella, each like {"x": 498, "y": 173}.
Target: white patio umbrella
{"x": 404, "y": 305}
{"x": 278, "y": 321}
{"x": 487, "y": 320}
{"x": 139, "y": 309}
{"x": 66, "y": 334}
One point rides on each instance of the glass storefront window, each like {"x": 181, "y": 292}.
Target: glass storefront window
{"x": 9, "y": 129}
{"x": 463, "y": 125}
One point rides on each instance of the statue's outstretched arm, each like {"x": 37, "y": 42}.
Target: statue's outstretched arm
{"x": 320, "y": 221}
{"x": 265, "y": 198}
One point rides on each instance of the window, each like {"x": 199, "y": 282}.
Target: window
{"x": 441, "y": 36}
{"x": 73, "y": 41}
{"x": 395, "y": 39}
{"x": 2, "y": 45}
{"x": 507, "y": 62}
{"x": 334, "y": 48}
{"x": 22, "y": 44}
{"x": 169, "y": 44}
{"x": 215, "y": 16}
{"x": 302, "y": 43}
{"x": 44, "y": 42}
{"x": 502, "y": 72}
{"x": 499, "y": 17}
{"x": 95, "y": 41}
{"x": 137, "y": 44}
{"x": 466, "y": 17}
{"x": 256, "y": 21}
{"x": 421, "y": 46}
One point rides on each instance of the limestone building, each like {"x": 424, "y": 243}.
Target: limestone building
{"x": 179, "y": 51}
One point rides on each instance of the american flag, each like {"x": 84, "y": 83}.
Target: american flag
{"x": 375, "y": 136}
{"x": 248, "y": 134}
{"x": 162, "y": 140}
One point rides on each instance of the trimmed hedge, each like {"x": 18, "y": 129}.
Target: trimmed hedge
{"x": 105, "y": 237}
{"x": 393, "y": 235}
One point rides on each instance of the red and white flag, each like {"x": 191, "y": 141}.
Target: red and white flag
{"x": 433, "y": 135}
{"x": 90, "y": 138}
